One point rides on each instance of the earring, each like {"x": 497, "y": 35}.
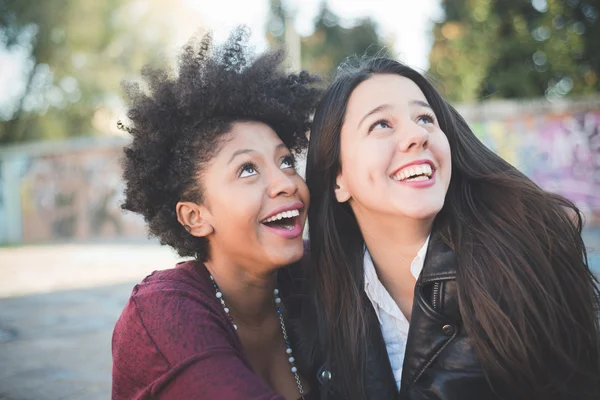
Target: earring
{"x": 187, "y": 228}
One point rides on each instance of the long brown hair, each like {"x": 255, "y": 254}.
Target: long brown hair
{"x": 528, "y": 300}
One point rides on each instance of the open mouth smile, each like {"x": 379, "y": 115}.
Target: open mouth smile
{"x": 285, "y": 221}
{"x": 417, "y": 174}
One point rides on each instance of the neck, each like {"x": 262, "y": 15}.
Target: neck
{"x": 248, "y": 294}
{"x": 393, "y": 243}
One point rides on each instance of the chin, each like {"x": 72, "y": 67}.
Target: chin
{"x": 424, "y": 213}
{"x": 292, "y": 253}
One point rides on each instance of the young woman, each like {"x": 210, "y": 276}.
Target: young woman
{"x": 439, "y": 270}
{"x": 211, "y": 169}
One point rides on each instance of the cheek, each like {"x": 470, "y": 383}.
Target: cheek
{"x": 367, "y": 163}
{"x": 444, "y": 155}
{"x": 441, "y": 149}
{"x": 303, "y": 192}
{"x": 234, "y": 212}
{"x": 448, "y": 156}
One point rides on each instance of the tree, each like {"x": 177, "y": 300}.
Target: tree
{"x": 75, "y": 54}
{"x": 517, "y": 48}
{"x": 330, "y": 43}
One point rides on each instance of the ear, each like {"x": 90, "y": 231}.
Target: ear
{"x": 195, "y": 218}
{"x": 341, "y": 193}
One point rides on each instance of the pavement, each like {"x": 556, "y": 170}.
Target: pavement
{"x": 57, "y": 345}
{"x": 58, "y": 307}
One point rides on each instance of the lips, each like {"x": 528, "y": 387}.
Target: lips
{"x": 283, "y": 210}
{"x": 289, "y": 230}
{"x": 282, "y": 215}
{"x": 285, "y": 221}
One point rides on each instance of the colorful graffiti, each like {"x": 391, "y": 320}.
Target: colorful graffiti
{"x": 560, "y": 152}
{"x": 75, "y": 196}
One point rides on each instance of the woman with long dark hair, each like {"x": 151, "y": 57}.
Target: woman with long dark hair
{"x": 439, "y": 270}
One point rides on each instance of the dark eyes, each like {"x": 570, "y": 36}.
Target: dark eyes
{"x": 288, "y": 162}
{"x": 250, "y": 169}
{"x": 385, "y": 124}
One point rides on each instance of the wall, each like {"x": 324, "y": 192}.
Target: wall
{"x": 557, "y": 146}
{"x": 69, "y": 191}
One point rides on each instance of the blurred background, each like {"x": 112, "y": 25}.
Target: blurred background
{"x": 524, "y": 73}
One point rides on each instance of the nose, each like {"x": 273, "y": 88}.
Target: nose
{"x": 282, "y": 184}
{"x": 414, "y": 136}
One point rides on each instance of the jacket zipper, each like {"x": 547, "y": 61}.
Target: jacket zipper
{"x": 436, "y": 295}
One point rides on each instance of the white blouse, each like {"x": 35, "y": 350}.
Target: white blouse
{"x": 394, "y": 325}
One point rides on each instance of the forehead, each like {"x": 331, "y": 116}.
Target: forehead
{"x": 251, "y": 135}
{"x": 379, "y": 89}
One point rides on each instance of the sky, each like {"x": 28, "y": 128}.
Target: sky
{"x": 409, "y": 22}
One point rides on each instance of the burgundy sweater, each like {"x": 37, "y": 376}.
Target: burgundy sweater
{"x": 174, "y": 341}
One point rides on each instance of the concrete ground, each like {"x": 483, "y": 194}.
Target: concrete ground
{"x": 58, "y": 306}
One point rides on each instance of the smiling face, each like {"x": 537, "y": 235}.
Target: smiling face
{"x": 395, "y": 159}
{"x": 255, "y": 203}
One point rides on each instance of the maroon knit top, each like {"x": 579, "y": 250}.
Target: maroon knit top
{"x": 174, "y": 341}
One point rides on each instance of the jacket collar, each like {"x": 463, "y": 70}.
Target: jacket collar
{"x": 440, "y": 261}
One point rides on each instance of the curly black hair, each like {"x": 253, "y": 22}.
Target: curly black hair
{"x": 178, "y": 125}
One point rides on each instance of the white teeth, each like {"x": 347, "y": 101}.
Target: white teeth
{"x": 423, "y": 171}
{"x": 283, "y": 214}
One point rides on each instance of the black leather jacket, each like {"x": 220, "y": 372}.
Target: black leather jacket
{"x": 439, "y": 361}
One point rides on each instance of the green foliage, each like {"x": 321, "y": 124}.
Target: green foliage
{"x": 330, "y": 43}
{"x": 517, "y": 48}
{"x": 77, "y": 52}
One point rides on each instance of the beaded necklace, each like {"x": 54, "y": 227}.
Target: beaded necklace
{"x": 288, "y": 344}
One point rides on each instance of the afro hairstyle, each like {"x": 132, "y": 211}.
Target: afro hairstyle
{"x": 180, "y": 120}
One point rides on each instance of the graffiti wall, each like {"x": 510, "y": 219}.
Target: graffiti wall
{"x": 75, "y": 195}
{"x": 559, "y": 151}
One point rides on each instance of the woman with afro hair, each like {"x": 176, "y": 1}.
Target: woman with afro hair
{"x": 211, "y": 169}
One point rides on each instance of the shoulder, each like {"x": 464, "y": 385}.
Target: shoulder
{"x": 175, "y": 303}
{"x": 188, "y": 280}
{"x": 188, "y": 276}
{"x": 174, "y": 339}
{"x": 164, "y": 317}
{"x": 167, "y": 294}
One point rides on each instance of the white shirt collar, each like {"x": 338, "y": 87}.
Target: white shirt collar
{"x": 377, "y": 293}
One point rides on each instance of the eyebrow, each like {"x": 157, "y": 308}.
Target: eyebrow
{"x": 420, "y": 103}
{"x": 386, "y": 106}
{"x": 245, "y": 151}
{"x": 373, "y": 111}
{"x": 237, "y": 153}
